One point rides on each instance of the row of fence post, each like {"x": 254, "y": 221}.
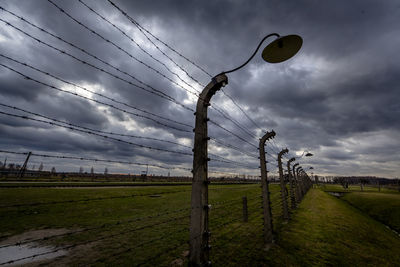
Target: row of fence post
{"x": 299, "y": 184}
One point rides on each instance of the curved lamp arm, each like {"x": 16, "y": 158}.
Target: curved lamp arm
{"x": 255, "y": 52}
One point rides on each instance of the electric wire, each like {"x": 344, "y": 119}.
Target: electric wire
{"x": 91, "y": 91}
{"x": 28, "y": 241}
{"x": 155, "y": 91}
{"x": 133, "y": 57}
{"x": 159, "y": 40}
{"x": 96, "y": 160}
{"x": 139, "y": 46}
{"x": 96, "y": 134}
{"x": 227, "y": 145}
{"x": 94, "y": 100}
{"x": 91, "y": 199}
{"x": 93, "y": 130}
{"x": 119, "y": 47}
{"x": 241, "y": 109}
{"x": 152, "y": 90}
{"x": 144, "y": 31}
{"x": 232, "y": 133}
{"x": 92, "y": 240}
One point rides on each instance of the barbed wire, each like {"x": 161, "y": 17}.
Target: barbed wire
{"x": 221, "y": 112}
{"x": 232, "y": 147}
{"x": 120, "y": 48}
{"x": 107, "y": 40}
{"x": 141, "y": 48}
{"x": 232, "y": 133}
{"x": 96, "y": 134}
{"x": 233, "y": 162}
{"x": 75, "y": 94}
{"x": 152, "y": 91}
{"x": 96, "y": 160}
{"x": 93, "y": 100}
{"x": 142, "y": 29}
{"x": 91, "y": 199}
{"x": 222, "y": 172}
{"x": 226, "y": 116}
{"x": 147, "y": 242}
{"x": 241, "y": 109}
{"x": 93, "y": 92}
{"x": 159, "y": 40}
{"x": 46, "y": 238}
{"x": 93, "y": 130}
{"x": 165, "y": 96}
{"x": 92, "y": 240}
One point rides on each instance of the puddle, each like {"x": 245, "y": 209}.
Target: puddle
{"x": 28, "y": 253}
{"x": 336, "y": 194}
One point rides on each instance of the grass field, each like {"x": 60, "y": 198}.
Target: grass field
{"x": 140, "y": 222}
{"x": 149, "y": 226}
{"x": 357, "y": 188}
{"x": 327, "y": 231}
{"x": 384, "y": 207}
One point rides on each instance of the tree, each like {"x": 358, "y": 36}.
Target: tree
{"x": 40, "y": 167}
{"x": 11, "y": 166}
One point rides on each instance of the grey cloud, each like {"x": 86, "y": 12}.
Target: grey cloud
{"x": 311, "y": 107}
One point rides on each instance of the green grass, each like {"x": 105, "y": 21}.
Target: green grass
{"x": 357, "y": 188}
{"x": 328, "y": 231}
{"x": 323, "y": 230}
{"x": 384, "y": 207}
{"x": 81, "y": 215}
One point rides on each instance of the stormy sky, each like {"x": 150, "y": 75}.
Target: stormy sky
{"x": 114, "y": 83}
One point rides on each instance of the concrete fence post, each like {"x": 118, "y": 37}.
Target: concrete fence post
{"x": 283, "y": 185}
{"x": 300, "y": 184}
{"x": 296, "y": 182}
{"x": 291, "y": 185}
{"x": 199, "y": 232}
{"x": 268, "y": 237}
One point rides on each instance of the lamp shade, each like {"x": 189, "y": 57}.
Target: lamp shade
{"x": 282, "y": 48}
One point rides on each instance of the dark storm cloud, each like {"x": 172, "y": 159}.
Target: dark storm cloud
{"x": 342, "y": 86}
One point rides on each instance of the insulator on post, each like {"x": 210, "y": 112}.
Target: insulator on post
{"x": 207, "y": 233}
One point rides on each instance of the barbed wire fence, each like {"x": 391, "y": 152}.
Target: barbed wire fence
{"x": 151, "y": 238}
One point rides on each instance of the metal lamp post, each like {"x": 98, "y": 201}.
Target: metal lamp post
{"x": 277, "y": 51}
